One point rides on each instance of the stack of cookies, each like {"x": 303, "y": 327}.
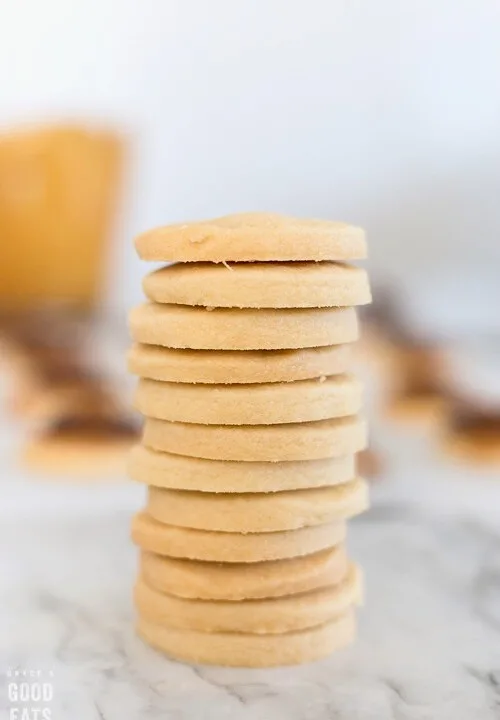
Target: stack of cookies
{"x": 252, "y": 425}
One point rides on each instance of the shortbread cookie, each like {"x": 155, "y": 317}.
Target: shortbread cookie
{"x": 417, "y": 380}
{"x": 179, "y": 326}
{"x": 480, "y": 447}
{"x": 243, "y": 581}
{"x": 416, "y": 410}
{"x": 261, "y": 404}
{"x": 164, "y": 469}
{"x": 268, "y": 443}
{"x": 253, "y": 236}
{"x": 61, "y": 460}
{"x": 264, "y": 616}
{"x": 251, "y": 650}
{"x": 155, "y": 537}
{"x": 257, "y": 512}
{"x": 81, "y": 446}
{"x": 238, "y": 366}
{"x": 259, "y": 285}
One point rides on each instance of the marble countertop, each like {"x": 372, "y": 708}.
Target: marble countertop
{"x": 429, "y": 634}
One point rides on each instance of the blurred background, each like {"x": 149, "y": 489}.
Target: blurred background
{"x": 119, "y": 116}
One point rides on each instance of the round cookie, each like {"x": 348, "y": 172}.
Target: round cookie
{"x": 167, "y": 470}
{"x": 473, "y": 447}
{"x": 203, "y": 580}
{"x": 261, "y": 404}
{"x": 238, "y": 366}
{"x": 257, "y": 512}
{"x": 251, "y": 650}
{"x": 253, "y": 236}
{"x": 155, "y": 537}
{"x": 195, "y": 328}
{"x": 267, "y": 443}
{"x": 264, "y": 616}
{"x": 259, "y": 285}
{"x": 60, "y": 457}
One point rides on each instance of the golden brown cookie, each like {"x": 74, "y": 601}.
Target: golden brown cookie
{"x": 260, "y": 404}
{"x": 247, "y": 650}
{"x": 268, "y": 443}
{"x": 180, "y": 326}
{"x": 164, "y": 469}
{"x": 238, "y": 366}
{"x": 259, "y": 285}
{"x": 155, "y": 537}
{"x": 417, "y": 380}
{"x": 86, "y": 442}
{"x": 474, "y": 447}
{"x": 76, "y": 457}
{"x": 253, "y": 236}
{"x": 416, "y": 410}
{"x": 257, "y": 512}
{"x": 242, "y": 581}
{"x": 263, "y": 616}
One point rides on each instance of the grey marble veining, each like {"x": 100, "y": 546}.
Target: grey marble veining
{"x": 428, "y": 647}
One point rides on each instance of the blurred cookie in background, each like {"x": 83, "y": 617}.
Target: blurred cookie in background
{"x": 370, "y": 464}
{"x": 472, "y": 433}
{"x": 77, "y": 445}
{"x": 416, "y": 395}
{"x": 75, "y": 421}
{"x": 471, "y": 427}
{"x": 408, "y": 365}
{"x": 40, "y": 348}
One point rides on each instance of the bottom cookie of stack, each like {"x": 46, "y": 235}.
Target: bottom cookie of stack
{"x": 247, "y": 650}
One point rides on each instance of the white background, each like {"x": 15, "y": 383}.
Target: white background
{"x": 385, "y": 113}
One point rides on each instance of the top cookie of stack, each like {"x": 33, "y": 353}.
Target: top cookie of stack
{"x": 251, "y": 429}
